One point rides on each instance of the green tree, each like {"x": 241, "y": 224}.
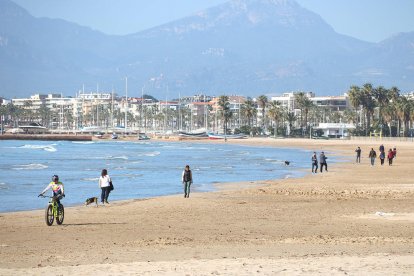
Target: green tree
{"x": 225, "y": 110}
{"x": 249, "y": 111}
{"x": 291, "y": 119}
{"x": 304, "y": 104}
{"x": 262, "y": 102}
{"x": 275, "y": 113}
{"x": 404, "y": 108}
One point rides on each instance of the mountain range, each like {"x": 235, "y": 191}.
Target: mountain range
{"x": 244, "y": 47}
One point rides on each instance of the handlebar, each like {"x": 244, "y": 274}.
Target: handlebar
{"x": 54, "y": 197}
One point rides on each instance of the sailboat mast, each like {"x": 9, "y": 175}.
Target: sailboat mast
{"x": 126, "y": 104}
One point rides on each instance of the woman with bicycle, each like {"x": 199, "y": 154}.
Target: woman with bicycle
{"x": 57, "y": 188}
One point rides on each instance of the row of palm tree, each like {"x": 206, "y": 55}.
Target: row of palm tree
{"x": 385, "y": 107}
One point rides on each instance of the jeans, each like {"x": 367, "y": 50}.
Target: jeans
{"x": 187, "y": 188}
{"x": 326, "y": 166}
{"x": 104, "y": 194}
{"x": 315, "y": 165}
{"x": 358, "y": 159}
{"x": 372, "y": 161}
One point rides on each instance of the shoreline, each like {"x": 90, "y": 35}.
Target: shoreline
{"x": 354, "y": 212}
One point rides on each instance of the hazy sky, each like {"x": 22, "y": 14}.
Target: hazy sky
{"x": 370, "y": 20}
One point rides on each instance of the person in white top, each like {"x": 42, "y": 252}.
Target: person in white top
{"x": 104, "y": 184}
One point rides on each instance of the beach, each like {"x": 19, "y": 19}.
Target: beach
{"x": 353, "y": 219}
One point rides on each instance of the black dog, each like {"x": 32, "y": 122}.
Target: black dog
{"x": 91, "y": 200}
{"x": 287, "y": 163}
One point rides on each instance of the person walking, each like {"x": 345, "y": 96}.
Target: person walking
{"x": 382, "y": 157}
{"x": 187, "y": 178}
{"x": 322, "y": 161}
{"x": 394, "y": 151}
{"x": 314, "y": 163}
{"x": 104, "y": 184}
{"x": 358, "y": 155}
{"x": 372, "y": 155}
{"x": 390, "y": 156}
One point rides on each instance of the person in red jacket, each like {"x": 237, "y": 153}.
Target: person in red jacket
{"x": 390, "y": 156}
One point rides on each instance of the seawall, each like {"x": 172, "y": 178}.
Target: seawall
{"x": 46, "y": 137}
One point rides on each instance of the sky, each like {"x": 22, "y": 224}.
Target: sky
{"x": 369, "y": 20}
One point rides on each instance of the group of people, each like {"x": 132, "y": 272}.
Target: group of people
{"x": 322, "y": 162}
{"x": 105, "y": 183}
{"x": 391, "y": 155}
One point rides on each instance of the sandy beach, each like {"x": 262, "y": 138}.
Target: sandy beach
{"x": 354, "y": 219}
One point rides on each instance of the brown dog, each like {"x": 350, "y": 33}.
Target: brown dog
{"x": 91, "y": 200}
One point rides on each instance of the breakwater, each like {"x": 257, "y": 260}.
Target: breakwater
{"x": 46, "y": 137}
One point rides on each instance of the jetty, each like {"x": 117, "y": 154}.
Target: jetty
{"x": 47, "y": 137}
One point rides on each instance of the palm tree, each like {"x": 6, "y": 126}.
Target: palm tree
{"x": 368, "y": 104}
{"x": 262, "y": 102}
{"x": 225, "y": 111}
{"x": 350, "y": 116}
{"x": 404, "y": 108}
{"x": 275, "y": 113}
{"x": 381, "y": 95}
{"x": 304, "y": 104}
{"x": 248, "y": 110}
{"x": 355, "y": 96}
{"x": 291, "y": 118}
{"x": 389, "y": 114}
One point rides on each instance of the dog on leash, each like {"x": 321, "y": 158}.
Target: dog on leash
{"x": 91, "y": 200}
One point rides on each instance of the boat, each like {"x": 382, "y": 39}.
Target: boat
{"x": 193, "y": 134}
{"x": 216, "y": 136}
{"x": 114, "y": 136}
{"x": 99, "y": 135}
{"x": 143, "y": 136}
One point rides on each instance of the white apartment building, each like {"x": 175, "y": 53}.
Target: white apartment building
{"x": 334, "y": 103}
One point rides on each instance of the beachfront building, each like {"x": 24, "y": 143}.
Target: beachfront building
{"x": 331, "y": 103}
{"x": 50, "y": 110}
{"x": 335, "y": 130}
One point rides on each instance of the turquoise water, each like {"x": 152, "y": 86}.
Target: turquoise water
{"x": 138, "y": 169}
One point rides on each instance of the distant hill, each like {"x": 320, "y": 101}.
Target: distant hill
{"x": 247, "y": 47}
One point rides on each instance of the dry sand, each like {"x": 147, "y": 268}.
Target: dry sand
{"x": 354, "y": 219}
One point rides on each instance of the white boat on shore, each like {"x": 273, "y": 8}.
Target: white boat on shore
{"x": 143, "y": 136}
{"x": 214, "y": 136}
{"x": 193, "y": 134}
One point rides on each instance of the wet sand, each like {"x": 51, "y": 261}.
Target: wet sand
{"x": 354, "y": 219}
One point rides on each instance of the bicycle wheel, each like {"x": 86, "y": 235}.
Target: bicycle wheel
{"x": 49, "y": 215}
{"x": 60, "y": 214}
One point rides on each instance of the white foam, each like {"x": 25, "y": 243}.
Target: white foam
{"x": 152, "y": 154}
{"x": 124, "y": 157}
{"x": 91, "y": 179}
{"x": 85, "y": 143}
{"x": 49, "y": 148}
{"x": 4, "y": 186}
{"x": 33, "y": 166}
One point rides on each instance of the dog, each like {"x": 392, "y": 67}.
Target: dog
{"x": 91, "y": 200}
{"x": 287, "y": 163}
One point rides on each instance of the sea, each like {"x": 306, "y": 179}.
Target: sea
{"x": 141, "y": 169}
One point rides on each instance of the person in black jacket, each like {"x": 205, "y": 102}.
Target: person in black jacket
{"x": 187, "y": 178}
{"x": 322, "y": 161}
{"x": 358, "y": 156}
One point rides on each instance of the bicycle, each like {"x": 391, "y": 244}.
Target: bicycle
{"x": 54, "y": 210}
